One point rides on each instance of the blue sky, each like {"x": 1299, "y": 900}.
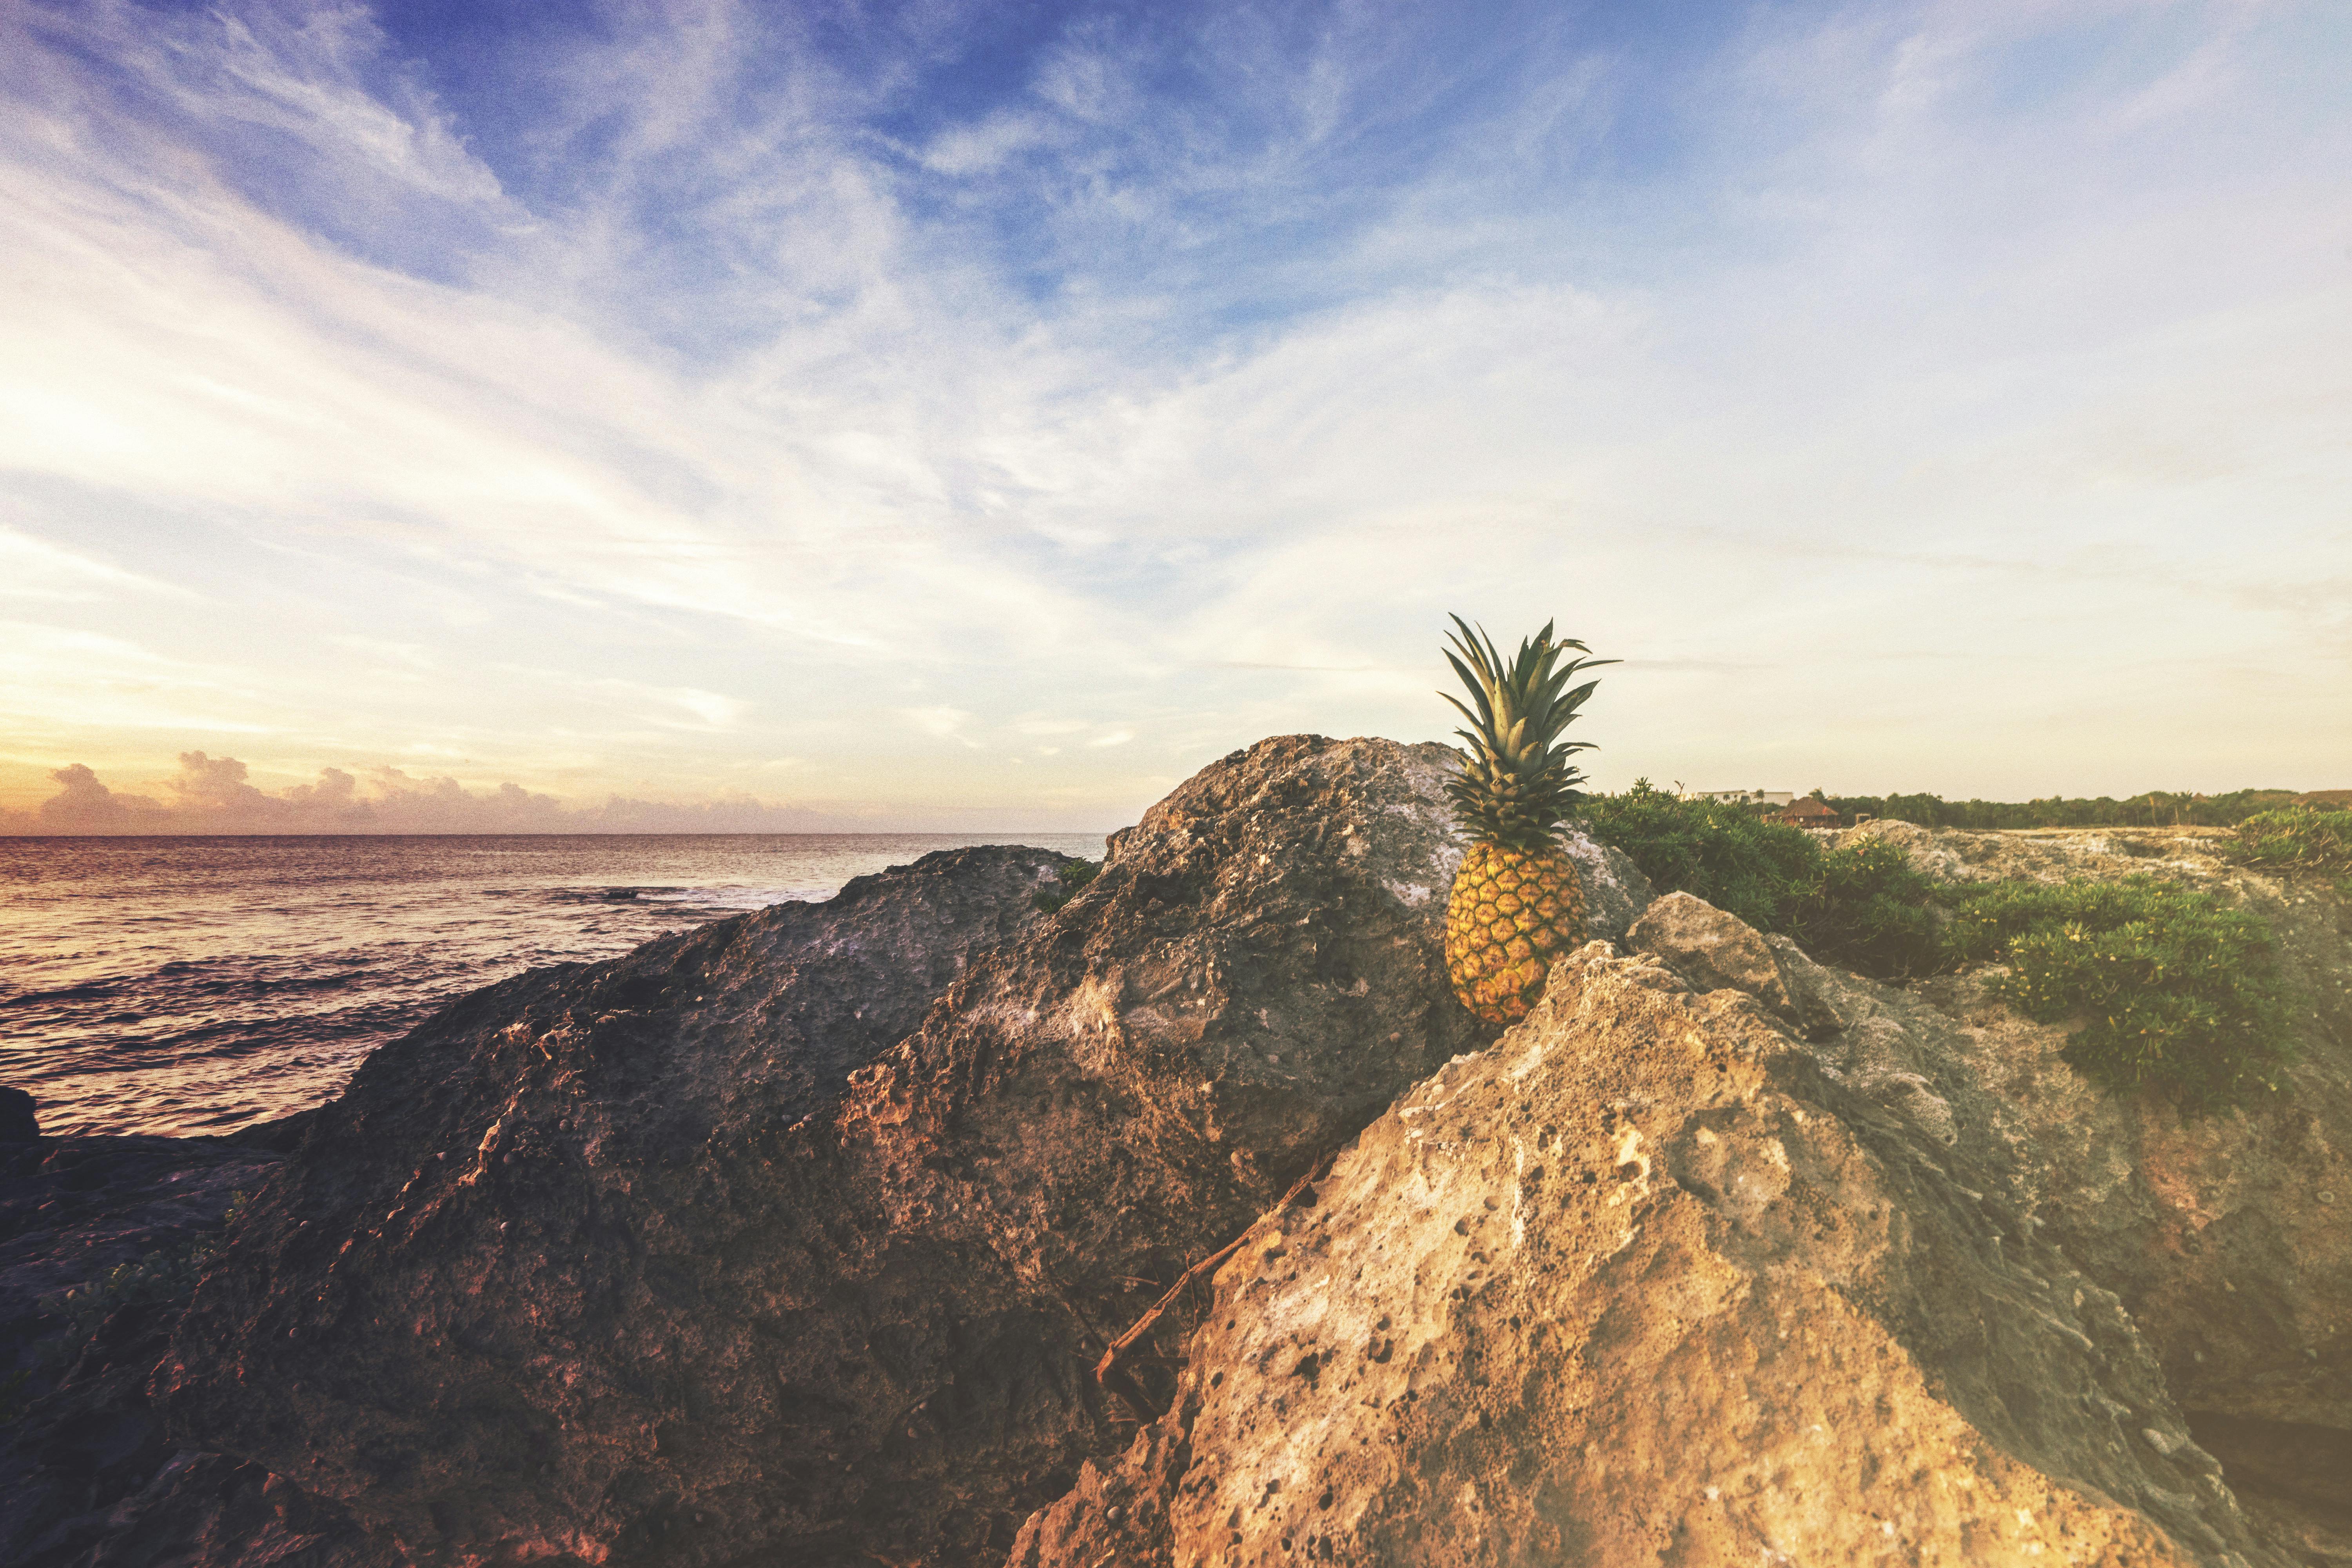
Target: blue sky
{"x": 942, "y": 415}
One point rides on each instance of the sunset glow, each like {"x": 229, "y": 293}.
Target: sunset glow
{"x": 969, "y": 419}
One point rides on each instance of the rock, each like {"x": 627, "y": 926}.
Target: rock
{"x": 84, "y": 1445}
{"x": 1615, "y": 891}
{"x": 1812, "y": 989}
{"x": 74, "y": 1208}
{"x": 2217, "y": 1234}
{"x": 1917, "y": 843}
{"x": 1711, "y": 949}
{"x": 2051, "y": 854}
{"x": 18, "y": 1123}
{"x": 605, "y": 1263}
{"x": 1644, "y": 1282}
{"x": 281, "y": 1135}
{"x": 685, "y": 1258}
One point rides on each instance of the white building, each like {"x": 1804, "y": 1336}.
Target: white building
{"x": 1744, "y": 796}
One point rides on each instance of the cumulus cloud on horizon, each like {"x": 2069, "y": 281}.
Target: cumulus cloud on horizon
{"x": 211, "y": 795}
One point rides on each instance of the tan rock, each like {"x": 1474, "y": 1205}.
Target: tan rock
{"x": 2227, "y": 1237}
{"x": 1711, "y": 949}
{"x": 2230, "y": 1237}
{"x": 1649, "y": 1281}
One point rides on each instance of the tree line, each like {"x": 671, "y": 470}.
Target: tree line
{"x": 2157, "y": 808}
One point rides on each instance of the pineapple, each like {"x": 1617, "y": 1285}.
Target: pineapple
{"x": 1516, "y": 903}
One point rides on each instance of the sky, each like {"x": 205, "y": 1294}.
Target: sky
{"x": 481, "y": 415}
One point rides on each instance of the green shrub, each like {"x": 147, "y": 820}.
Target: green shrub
{"x": 1864, "y": 907}
{"x": 2154, "y": 809}
{"x": 1761, "y": 871}
{"x": 2182, "y": 995}
{"x": 1873, "y": 911}
{"x": 2300, "y": 839}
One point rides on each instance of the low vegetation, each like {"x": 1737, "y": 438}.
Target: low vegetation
{"x": 1864, "y": 907}
{"x": 2177, "y": 995}
{"x": 167, "y": 1276}
{"x": 2299, "y": 839}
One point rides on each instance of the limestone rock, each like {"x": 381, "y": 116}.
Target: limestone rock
{"x": 2226, "y": 1237}
{"x": 1615, "y": 891}
{"x": 1711, "y": 949}
{"x": 685, "y": 1259}
{"x": 2052, "y": 854}
{"x": 1917, "y": 843}
{"x": 1812, "y": 988}
{"x": 1644, "y": 1282}
{"x": 609, "y": 1265}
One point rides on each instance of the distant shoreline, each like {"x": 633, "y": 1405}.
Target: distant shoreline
{"x": 993, "y": 835}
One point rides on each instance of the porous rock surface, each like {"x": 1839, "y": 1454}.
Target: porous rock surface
{"x": 2221, "y": 1238}
{"x": 1649, "y": 1282}
{"x": 1712, "y": 953}
{"x": 2229, "y": 1238}
{"x": 622, "y": 1264}
{"x": 599, "y": 1266}
{"x": 1615, "y": 891}
{"x": 86, "y": 1468}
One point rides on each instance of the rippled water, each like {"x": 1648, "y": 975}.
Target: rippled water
{"x": 190, "y": 985}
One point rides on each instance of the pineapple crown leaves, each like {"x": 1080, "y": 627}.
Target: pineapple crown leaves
{"x": 1519, "y": 780}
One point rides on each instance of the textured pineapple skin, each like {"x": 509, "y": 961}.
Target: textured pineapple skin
{"x": 1512, "y": 911}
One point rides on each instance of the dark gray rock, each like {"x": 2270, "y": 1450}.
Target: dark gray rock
{"x": 79, "y": 1340}
{"x": 282, "y": 1136}
{"x": 601, "y": 1265}
{"x": 18, "y": 1123}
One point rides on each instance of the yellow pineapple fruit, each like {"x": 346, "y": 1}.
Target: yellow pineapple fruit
{"x": 1516, "y": 903}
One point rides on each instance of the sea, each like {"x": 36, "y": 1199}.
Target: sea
{"x": 192, "y": 985}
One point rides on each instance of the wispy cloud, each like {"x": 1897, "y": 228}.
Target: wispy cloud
{"x": 627, "y": 409}
{"x": 36, "y": 569}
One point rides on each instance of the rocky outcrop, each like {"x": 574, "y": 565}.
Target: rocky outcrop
{"x": 79, "y": 1443}
{"x": 18, "y": 1120}
{"x": 499, "y": 1248}
{"x": 2228, "y": 1237}
{"x": 1839, "y": 1263}
{"x": 1615, "y": 891}
{"x": 796, "y": 1238}
{"x": 1712, "y": 953}
{"x": 611, "y": 1264}
{"x": 1648, "y": 1282}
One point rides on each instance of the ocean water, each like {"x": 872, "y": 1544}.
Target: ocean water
{"x": 192, "y": 986}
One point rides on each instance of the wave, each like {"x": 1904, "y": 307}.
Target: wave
{"x": 733, "y": 899}
{"x": 183, "y": 986}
